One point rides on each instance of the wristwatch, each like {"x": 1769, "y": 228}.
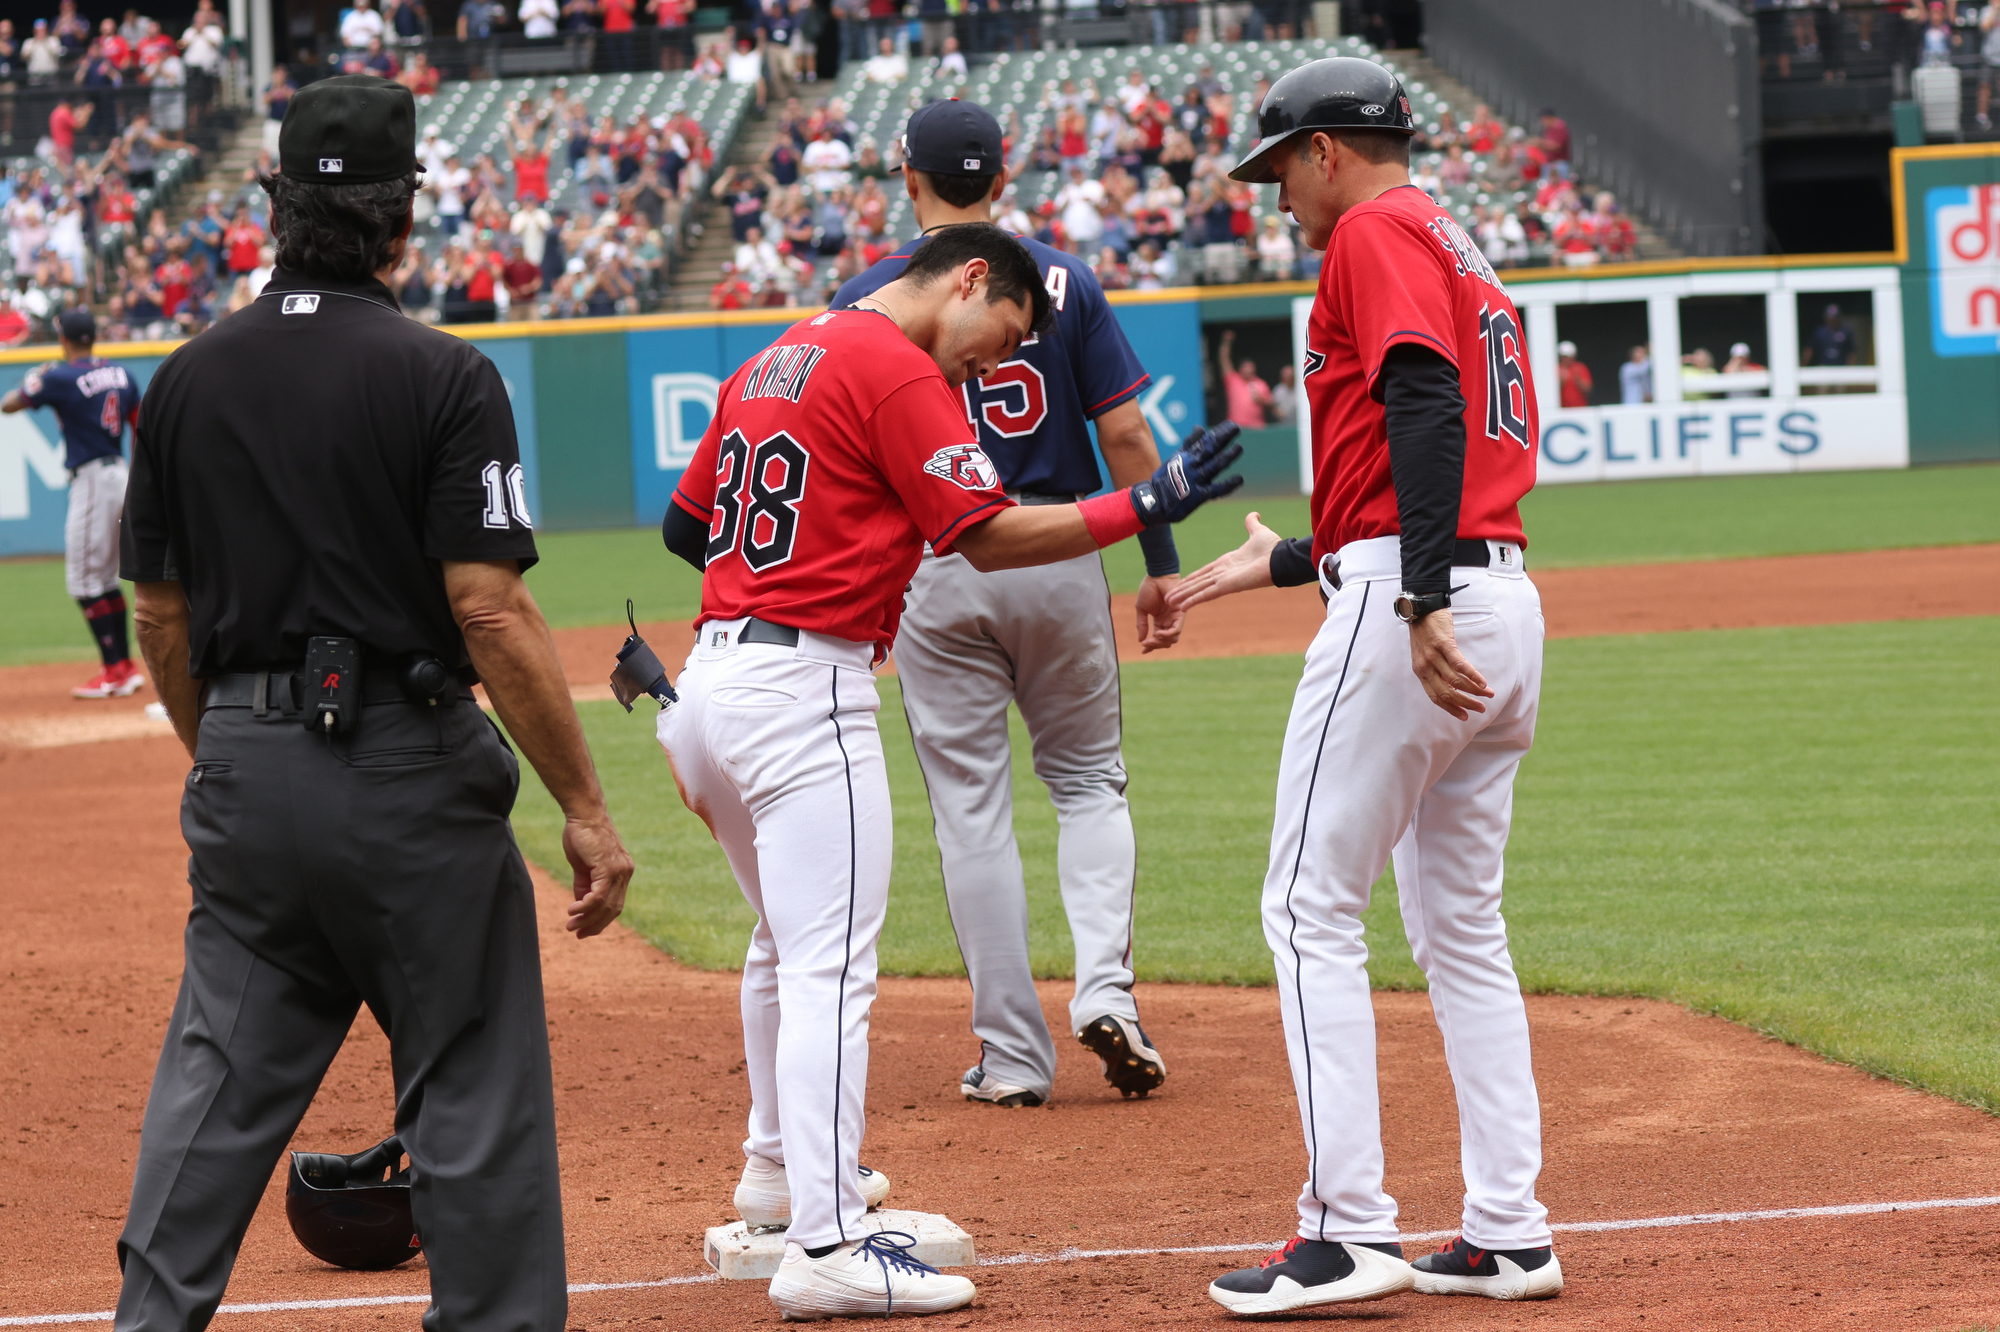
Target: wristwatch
{"x": 1410, "y": 609}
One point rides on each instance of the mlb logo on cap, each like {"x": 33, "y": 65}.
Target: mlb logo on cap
{"x": 952, "y": 138}
{"x": 329, "y": 166}
{"x": 972, "y": 164}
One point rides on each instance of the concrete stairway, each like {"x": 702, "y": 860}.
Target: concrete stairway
{"x": 701, "y": 267}
{"x": 1651, "y": 246}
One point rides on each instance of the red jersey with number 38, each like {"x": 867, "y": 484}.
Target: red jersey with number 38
{"x": 834, "y": 455}
{"x": 1399, "y": 270}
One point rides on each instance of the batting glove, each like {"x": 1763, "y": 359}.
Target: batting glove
{"x": 1187, "y": 480}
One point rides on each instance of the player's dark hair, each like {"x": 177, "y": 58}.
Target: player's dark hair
{"x": 1011, "y": 274}
{"x": 1377, "y": 146}
{"x": 343, "y": 232}
{"x": 957, "y": 191}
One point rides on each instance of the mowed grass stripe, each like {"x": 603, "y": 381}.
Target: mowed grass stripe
{"x": 1797, "y": 829}
{"x": 584, "y": 577}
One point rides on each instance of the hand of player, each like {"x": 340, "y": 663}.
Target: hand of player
{"x": 1452, "y": 682}
{"x": 1192, "y": 477}
{"x": 1246, "y": 567}
{"x": 602, "y": 869}
{"x": 1160, "y": 621}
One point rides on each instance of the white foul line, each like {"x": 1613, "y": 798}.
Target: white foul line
{"x": 1077, "y": 1255}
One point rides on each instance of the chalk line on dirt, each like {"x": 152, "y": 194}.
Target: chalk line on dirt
{"x": 1078, "y": 1255}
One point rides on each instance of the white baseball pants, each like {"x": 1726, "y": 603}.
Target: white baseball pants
{"x": 776, "y": 749}
{"x": 90, "y": 528}
{"x": 970, "y": 644}
{"x": 1372, "y": 766}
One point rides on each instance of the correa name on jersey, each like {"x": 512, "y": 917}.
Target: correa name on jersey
{"x": 92, "y": 399}
{"x": 1032, "y": 412}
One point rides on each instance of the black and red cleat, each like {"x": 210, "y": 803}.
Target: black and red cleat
{"x": 1460, "y": 1268}
{"x": 1310, "y": 1272}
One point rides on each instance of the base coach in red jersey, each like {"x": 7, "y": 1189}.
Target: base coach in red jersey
{"x": 1417, "y": 704}
{"x": 326, "y": 526}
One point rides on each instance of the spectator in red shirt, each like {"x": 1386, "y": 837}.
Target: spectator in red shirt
{"x": 1573, "y": 375}
{"x": 1486, "y": 130}
{"x": 531, "y": 171}
{"x": 14, "y": 327}
{"x": 114, "y": 202}
{"x": 524, "y": 281}
{"x": 1246, "y": 394}
{"x": 1555, "y": 136}
{"x": 64, "y": 121}
{"x": 115, "y": 48}
{"x": 732, "y": 293}
{"x": 243, "y": 241}
{"x": 1616, "y": 236}
{"x": 618, "y": 26}
{"x": 174, "y": 278}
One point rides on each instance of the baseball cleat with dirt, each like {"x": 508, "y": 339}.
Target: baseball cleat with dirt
{"x": 979, "y": 1085}
{"x": 1499, "y": 1274}
{"x": 874, "y": 1276}
{"x": 1311, "y": 1272}
{"x": 764, "y": 1194}
{"x": 1131, "y": 1064}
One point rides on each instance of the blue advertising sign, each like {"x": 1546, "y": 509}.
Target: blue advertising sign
{"x": 674, "y": 374}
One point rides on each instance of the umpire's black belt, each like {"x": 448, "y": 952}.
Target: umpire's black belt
{"x": 280, "y": 691}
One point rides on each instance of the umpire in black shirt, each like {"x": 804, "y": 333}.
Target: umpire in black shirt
{"x": 326, "y": 526}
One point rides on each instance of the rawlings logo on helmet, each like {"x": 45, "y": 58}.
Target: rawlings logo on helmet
{"x": 965, "y": 466}
{"x": 1373, "y": 109}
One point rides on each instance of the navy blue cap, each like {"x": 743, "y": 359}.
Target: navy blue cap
{"x": 953, "y": 138}
{"x": 78, "y": 325}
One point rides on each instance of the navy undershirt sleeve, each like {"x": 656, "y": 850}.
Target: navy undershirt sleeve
{"x": 1425, "y": 414}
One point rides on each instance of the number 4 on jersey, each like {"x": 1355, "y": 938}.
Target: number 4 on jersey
{"x": 1506, "y": 386}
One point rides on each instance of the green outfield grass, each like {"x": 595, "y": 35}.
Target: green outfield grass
{"x": 585, "y": 577}
{"x": 1797, "y": 829}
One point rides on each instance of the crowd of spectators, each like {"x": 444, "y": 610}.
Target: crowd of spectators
{"x": 1557, "y": 220}
{"x": 68, "y": 50}
{"x": 494, "y": 239}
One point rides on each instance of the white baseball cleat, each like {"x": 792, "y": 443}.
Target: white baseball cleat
{"x": 875, "y": 1276}
{"x": 979, "y": 1085}
{"x": 764, "y": 1194}
{"x": 1499, "y": 1274}
{"x": 1310, "y": 1272}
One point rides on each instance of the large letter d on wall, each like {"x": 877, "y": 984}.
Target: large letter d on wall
{"x": 683, "y": 404}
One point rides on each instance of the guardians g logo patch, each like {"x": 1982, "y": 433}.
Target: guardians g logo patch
{"x": 966, "y": 466}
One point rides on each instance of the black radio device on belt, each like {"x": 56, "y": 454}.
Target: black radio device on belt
{"x": 332, "y": 702}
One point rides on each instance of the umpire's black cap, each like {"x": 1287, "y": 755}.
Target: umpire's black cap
{"x": 1338, "y": 93}
{"x": 953, "y": 138}
{"x": 352, "y": 129}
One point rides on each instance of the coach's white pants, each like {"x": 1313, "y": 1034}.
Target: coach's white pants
{"x": 90, "y": 528}
{"x": 776, "y": 749}
{"x": 1371, "y": 765}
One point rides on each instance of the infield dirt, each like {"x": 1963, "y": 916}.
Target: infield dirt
{"x": 1650, "y": 1110}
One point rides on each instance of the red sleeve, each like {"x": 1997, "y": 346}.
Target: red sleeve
{"x": 1392, "y": 289}
{"x": 929, "y": 456}
{"x": 696, "y": 491}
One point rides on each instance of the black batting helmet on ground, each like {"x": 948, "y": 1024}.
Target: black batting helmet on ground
{"x": 1338, "y": 93}
{"x": 353, "y": 1211}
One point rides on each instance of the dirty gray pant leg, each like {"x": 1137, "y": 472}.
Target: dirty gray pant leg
{"x": 378, "y": 868}
{"x": 971, "y": 643}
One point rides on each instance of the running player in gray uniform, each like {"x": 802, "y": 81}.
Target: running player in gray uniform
{"x": 971, "y": 643}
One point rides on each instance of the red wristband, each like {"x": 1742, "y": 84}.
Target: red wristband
{"x": 1110, "y": 518}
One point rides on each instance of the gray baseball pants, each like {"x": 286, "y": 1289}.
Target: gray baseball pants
{"x": 970, "y": 644}
{"x": 328, "y": 873}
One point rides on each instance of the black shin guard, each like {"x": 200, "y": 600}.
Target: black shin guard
{"x": 106, "y": 616}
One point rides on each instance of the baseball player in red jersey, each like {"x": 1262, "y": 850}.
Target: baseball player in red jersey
{"x": 833, "y": 457}
{"x": 1417, "y": 703}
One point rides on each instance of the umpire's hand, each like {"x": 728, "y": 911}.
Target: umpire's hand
{"x": 515, "y": 656}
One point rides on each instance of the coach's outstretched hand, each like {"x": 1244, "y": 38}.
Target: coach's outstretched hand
{"x": 1187, "y": 480}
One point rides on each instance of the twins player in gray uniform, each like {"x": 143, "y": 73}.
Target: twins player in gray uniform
{"x": 1040, "y": 638}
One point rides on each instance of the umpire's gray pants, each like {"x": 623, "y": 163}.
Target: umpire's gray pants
{"x": 1040, "y": 638}
{"x": 328, "y": 873}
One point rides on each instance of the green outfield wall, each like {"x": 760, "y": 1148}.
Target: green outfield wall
{"x": 609, "y": 411}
